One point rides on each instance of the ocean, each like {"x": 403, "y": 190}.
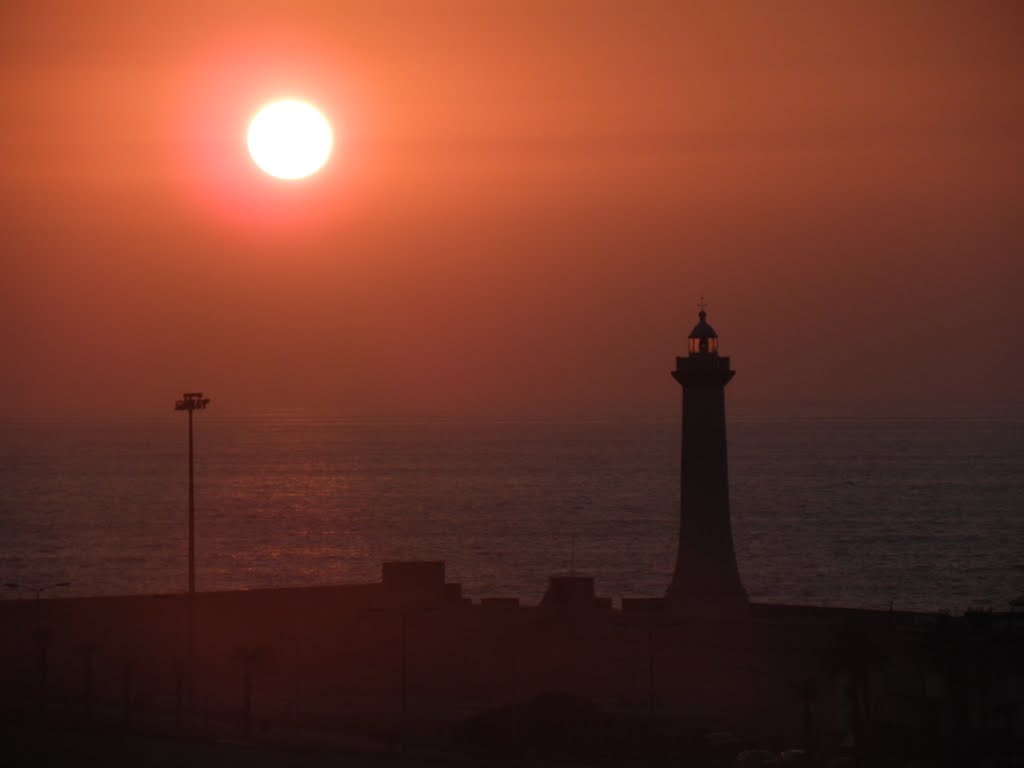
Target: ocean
{"x": 922, "y": 514}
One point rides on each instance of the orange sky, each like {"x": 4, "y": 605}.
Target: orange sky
{"x": 526, "y": 201}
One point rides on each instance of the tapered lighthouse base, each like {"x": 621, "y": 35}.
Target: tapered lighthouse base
{"x": 706, "y": 583}
{"x": 707, "y": 606}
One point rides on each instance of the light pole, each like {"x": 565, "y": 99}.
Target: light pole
{"x": 191, "y": 401}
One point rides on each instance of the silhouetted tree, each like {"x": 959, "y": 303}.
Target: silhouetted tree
{"x": 854, "y": 654}
{"x": 128, "y": 688}
{"x": 178, "y": 668}
{"x": 807, "y": 691}
{"x": 88, "y": 653}
{"x": 251, "y": 658}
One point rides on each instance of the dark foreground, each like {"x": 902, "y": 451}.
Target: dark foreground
{"x": 408, "y": 672}
{"x": 37, "y": 743}
{"x": 32, "y": 743}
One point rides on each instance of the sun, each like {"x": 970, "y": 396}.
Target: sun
{"x": 290, "y": 139}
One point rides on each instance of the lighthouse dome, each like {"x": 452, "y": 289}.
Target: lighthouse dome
{"x": 703, "y": 339}
{"x": 703, "y": 329}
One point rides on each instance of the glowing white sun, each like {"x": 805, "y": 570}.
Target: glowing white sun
{"x": 290, "y": 139}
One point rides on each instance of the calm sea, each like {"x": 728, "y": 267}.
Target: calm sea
{"x": 924, "y": 513}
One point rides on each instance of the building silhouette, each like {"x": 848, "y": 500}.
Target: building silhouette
{"x": 706, "y": 583}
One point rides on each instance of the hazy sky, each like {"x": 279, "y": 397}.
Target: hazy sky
{"x": 525, "y": 203}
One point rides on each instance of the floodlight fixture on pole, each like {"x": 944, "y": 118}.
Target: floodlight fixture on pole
{"x": 191, "y": 401}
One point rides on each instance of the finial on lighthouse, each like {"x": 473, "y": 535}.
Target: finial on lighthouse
{"x": 703, "y": 339}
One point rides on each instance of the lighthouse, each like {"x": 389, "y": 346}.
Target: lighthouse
{"x": 706, "y": 583}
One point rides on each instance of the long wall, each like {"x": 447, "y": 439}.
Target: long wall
{"x": 355, "y": 657}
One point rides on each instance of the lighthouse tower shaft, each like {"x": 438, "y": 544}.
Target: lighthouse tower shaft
{"x": 706, "y": 583}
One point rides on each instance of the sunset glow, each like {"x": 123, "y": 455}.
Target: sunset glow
{"x": 509, "y": 200}
{"x": 290, "y": 139}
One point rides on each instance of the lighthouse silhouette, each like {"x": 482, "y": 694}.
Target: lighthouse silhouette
{"x": 706, "y": 583}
